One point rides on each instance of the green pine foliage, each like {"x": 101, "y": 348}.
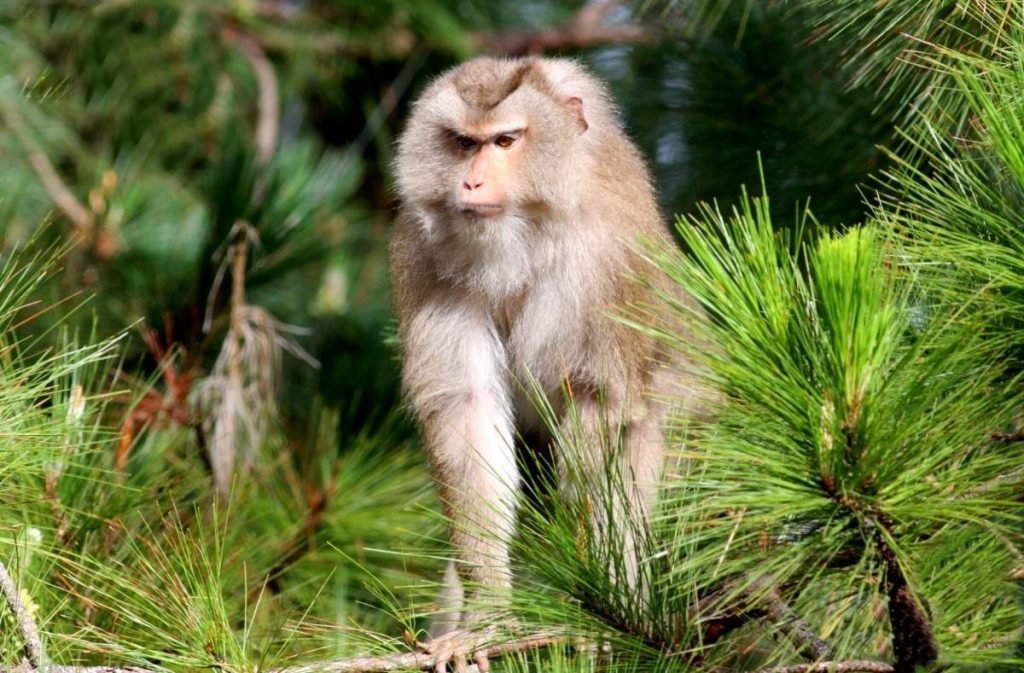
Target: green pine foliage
{"x": 893, "y": 54}
{"x": 960, "y": 211}
{"x": 852, "y": 456}
{"x": 149, "y": 112}
{"x": 860, "y": 454}
{"x": 142, "y": 565}
{"x": 899, "y": 49}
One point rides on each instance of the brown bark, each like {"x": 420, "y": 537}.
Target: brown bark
{"x": 586, "y": 29}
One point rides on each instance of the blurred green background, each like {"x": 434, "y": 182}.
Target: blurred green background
{"x": 215, "y": 177}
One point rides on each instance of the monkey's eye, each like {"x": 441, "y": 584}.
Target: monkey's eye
{"x": 465, "y": 142}
{"x": 504, "y": 140}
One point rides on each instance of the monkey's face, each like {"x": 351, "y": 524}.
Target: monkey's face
{"x": 490, "y": 158}
{"x": 507, "y": 159}
{"x": 491, "y": 142}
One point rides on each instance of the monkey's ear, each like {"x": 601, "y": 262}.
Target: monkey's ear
{"x": 575, "y": 105}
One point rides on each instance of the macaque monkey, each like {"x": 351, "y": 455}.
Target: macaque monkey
{"x": 524, "y": 212}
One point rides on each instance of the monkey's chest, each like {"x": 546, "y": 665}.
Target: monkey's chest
{"x": 548, "y": 349}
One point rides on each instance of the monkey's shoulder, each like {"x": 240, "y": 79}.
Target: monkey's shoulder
{"x": 410, "y": 277}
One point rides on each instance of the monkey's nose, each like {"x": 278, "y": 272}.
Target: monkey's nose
{"x": 470, "y": 185}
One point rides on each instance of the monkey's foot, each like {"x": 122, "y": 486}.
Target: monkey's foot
{"x": 457, "y": 646}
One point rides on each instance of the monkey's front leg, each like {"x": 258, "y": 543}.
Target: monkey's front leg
{"x": 474, "y": 463}
{"x": 473, "y": 460}
{"x": 456, "y": 376}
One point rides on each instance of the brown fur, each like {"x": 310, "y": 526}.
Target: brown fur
{"x": 488, "y": 304}
{"x": 485, "y": 83}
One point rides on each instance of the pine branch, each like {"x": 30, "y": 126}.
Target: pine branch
{"x": 29, "y": 632}
{"x": 584, "y": 30}
{"x": 913, "y": 644}
{"x": 408, "y": 661}
{"x": 54, "y": 185}
{"x": 794, "y": 627}
{"x": 835, "y": 667}
{"x": 592, "y": 13}
{"x": 762, "y": 602}
{"x": 269, "y": 120}
{"x": 420, "y": 660}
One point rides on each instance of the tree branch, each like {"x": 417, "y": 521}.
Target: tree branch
{"x": 54, "y": 185}
{"x": 913, "y": 643}
{"x": 380, "y": 664}
{"x": 794, "y": 627}
{"x": 1008, "y": 437}
{"x": 269, "y": 120}
{"x": 419, "y": 660}
{"x": 835, "y": 667}
{"x": 29, "y": 632}
{"x": 592, "y": 13}
{"x": 761, "y": 601}
{"x": 584, "y": 30}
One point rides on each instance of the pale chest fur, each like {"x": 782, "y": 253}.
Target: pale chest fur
{"x": 540, "y": 293}
{"x": 545, "y": 335}
{"x": 546, "y": 331}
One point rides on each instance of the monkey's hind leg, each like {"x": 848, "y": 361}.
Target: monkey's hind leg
{"x": 448, "y": 615}
{"x": 612, "y": 463}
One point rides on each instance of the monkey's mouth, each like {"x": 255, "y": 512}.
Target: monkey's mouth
{"x": 480, "y": 209}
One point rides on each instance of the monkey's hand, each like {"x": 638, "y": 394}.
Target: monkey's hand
{"x": 456, "y": 646}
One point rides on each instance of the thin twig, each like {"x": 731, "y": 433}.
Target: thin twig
{"x": 388, "y": 102}
{"x": 835, "y": 667}
{"x": 29, "y": 632}
{"x": 583, "y": 30}
{"x": 54, "y": 185}
{"x": 303, "y": 542}
{"x": 269, "y": 120}
{"x": 380, "y": 664}
{"x": 419, "y": 660}
{"x": 758, "y": 600}
{"x": 795, "y": 628}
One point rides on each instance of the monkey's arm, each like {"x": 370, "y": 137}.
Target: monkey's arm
{"x": 455, "y": 380}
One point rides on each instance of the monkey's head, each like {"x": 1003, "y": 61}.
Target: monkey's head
{"x": 493, "y": 138}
